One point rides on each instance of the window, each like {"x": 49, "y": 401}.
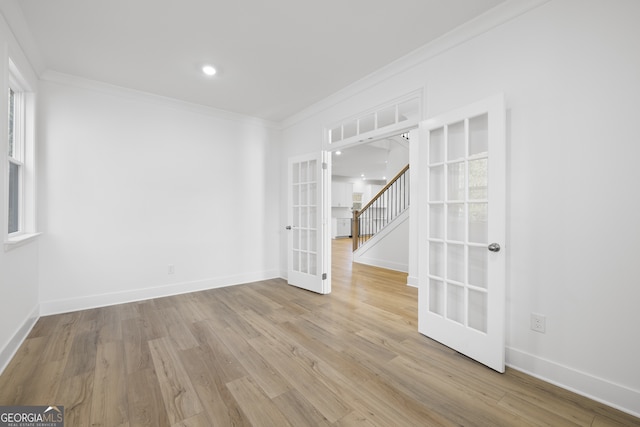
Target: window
{"x": 20, "y": 187}
{"x": 16, "y": 164}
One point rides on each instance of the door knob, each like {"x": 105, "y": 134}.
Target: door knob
{"x": 288, "y": 227}
{"x": 494, "y": 247}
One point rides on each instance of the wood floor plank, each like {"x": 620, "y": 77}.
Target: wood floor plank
{"x": 109, "y": 401}
{"x": 219, "y": 356}
{"x": 302, "y": 377}
{"x": 146, "y": 407}
{"x": 199, "y": 420}
{"x": 210, "y": 385}
{"x": 354, "y": 419}
{"x": 265, "y": 375}
{"x": 136, "y": 335}
{"x": 178, "y": 328}
{"x": 180, "y": 399}
{"x": 298, "y": 410}
{"x": 257, "y": 406}
{"x": 75, "y": 395}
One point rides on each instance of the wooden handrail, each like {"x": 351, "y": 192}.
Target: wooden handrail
{"x": 366, "y": 222}
{"x": 385, "y": 188}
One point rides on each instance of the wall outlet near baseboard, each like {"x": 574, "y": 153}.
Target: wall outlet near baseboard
{"x": 538, "y": 323}
{"x": 171, "y": 269}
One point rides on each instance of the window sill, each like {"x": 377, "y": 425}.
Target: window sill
{"x": 17, "y": 241}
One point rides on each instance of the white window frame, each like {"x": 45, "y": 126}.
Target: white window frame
{"x": 23, "y": 157}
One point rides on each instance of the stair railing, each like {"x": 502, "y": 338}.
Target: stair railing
{"x": 383, "y": 208}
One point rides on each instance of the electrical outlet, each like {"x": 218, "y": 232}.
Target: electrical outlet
{"x": 170, "y": 269}
{"x": 538, "y": 323}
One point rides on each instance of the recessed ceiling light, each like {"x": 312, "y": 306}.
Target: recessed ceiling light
{"x": 209, "y": 70}
{"x": 338, "y": 153}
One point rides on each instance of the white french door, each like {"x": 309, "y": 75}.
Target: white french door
{"x": 309, "y": 260}
{"x": 462, "y": 231}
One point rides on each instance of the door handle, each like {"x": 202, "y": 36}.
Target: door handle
{"x": 288, "y": 227}
{"x": 494, "y": 247}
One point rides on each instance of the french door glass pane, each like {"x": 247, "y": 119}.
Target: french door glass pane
{"x": 455, "y": 181}
{"x": 295, "y": 195}
{"x": 296, "y": 239}
{"x": 477, "y": 314}
{"x": 313, "y": 220}
{"x": 479, "y": 135}
{"x": 304, "y": 194}
{"x": 455, "y": 303}
{"x": 296, "y": 217}
{"x": 455, "y": 262}
{"x": 478, "y": 179}
{"x": 436, "y": 184}
{"x": 436, "y": 259}
{"x": 312, "y": 170}
{"x": 436, "y": 296}
{"x": 477, "y": 267}
{"x": 313, "y": 264}
{"x": 295, "y": 169}
{"x": 296, "y": 260}
{"x": 313, "y": 240}
{"x": 455, "y": 141}
{"x": 304, "y": 217}
{"x": 455, "y": 222}
{"x": 478, "y": 223}
{"x": 436, "y": 146}
{"x": 312, "y": 193}
{"x": 436, "y": 224}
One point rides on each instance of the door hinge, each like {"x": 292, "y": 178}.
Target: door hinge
{"x": 324, "y": 276}
{"x": 324, "y": 165}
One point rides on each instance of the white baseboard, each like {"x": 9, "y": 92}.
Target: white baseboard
{"x": 598, "y": 389}
{"x": 94, "y": 301}
{"x": 9, "y": 350}
{"x": 412, "y": 281}
{"x": 382, "y": 263}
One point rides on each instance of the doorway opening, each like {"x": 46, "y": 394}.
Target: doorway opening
{"x": 359, "y": 172}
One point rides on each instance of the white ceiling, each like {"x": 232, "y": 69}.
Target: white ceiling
{"x": 368, "y": 159}
{"x": 274, "y": 57}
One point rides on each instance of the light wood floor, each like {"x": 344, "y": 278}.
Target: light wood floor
{"x": 268, "y": 354}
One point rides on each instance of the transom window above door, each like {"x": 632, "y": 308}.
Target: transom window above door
{"x": 402, "y": 113}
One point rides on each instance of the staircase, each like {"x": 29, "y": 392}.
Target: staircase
{"x": 383, "y": 209}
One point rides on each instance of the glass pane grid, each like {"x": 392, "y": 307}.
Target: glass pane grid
{"x": 458, "y": 215}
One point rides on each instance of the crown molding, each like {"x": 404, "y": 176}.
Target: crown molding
{"x": 137, "y": 95}
{"x": 489, "y": 20}
{"x": 17, "y": 25}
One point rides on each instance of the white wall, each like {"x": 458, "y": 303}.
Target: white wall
{"x": 389, "y": 248}
{"x": 569, "y": 70}
{"x": 19, "y": 265}
{"x": 131, "y": 184}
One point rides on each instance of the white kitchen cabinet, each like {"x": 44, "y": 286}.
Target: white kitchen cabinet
{"x": 341, "y": 194}
{"x": 343, "y": 227}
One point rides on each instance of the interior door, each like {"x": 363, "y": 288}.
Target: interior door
{"x": 462, "y": 231}
{"x": 309, "y": 256}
